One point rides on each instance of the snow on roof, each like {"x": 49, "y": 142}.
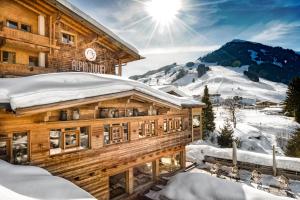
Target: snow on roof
{"x": 197, "y": 153}
{"x": 29, "y": 183}
{"x": 170, "y": 88}
{"x": 195, "y": 186}
{"x": 57, "y": 87}
{"x": 92, "y": 21}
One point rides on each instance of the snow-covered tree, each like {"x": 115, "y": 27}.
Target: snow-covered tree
{"x": 292, "y": 102}
{"x": 208, "y": 114}
{"x": 293, "y": 146}
{"x": 225, "y": 138}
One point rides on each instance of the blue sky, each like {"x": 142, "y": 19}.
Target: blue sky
{"x": 200, "y": 27}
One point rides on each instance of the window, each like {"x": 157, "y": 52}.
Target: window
{"x": 68, "y": 39}
{"x": 33, "y": 61}
{"x": 25, "y": 27}
{"x": 165, "y": 126}
{"x": 12, "y": 24}
{"x": 68, "y": 139}
{"x": 147, "y": 129}
{"x": 142, "y": 175}
{"x": 115, "y": 133}
{"x": 196, "y": 121}
{"x": 84, "y": 137}
{"x": 71, "y": 138}
{"x": 20, "y": 148}
{"x": 4, "y": 148}
{"x": 9, "y": 57}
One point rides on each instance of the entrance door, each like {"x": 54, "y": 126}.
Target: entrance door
{"x": 5, "y": 149}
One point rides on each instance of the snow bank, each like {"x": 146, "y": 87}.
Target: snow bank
{"x": 29, "y": 183}
{"x": 195, "y": 186}
{"x": 196, "y": 153}
{"x": 51, "y": 88}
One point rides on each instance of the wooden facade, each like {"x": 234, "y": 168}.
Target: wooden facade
{"x": 113, "y": 145}
{"x": 44, "y": 36}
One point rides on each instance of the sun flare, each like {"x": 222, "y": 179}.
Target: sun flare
{"x": 163, "y": 12}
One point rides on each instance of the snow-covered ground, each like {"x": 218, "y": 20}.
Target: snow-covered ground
{"x": 32, "y": 183}
{"x": 258, "y": 130}
{"x": 195, "y": 186}
{"x": 196, "y": 153}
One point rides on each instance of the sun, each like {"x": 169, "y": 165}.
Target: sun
{"x": 163, "y": 12}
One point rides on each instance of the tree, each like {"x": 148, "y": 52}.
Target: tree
{"x": 232, "y": 107}
{"x": 208, "y": 114}
{"x": 293, "y": 146}
{"x": 292, "y": 102}
{"x": 225, "y": 138}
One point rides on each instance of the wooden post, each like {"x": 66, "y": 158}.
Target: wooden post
{"x": 183, "y": 159}
{"x": 120, "y": 68}
{"x": 155, "y": 169}
{"x": 129, "y": 181}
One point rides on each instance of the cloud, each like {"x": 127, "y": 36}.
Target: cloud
{"x": 276, "y": 31}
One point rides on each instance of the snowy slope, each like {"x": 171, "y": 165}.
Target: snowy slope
{"x": 227, "y": 81}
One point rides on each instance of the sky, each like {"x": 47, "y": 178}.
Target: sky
{"x": 179, "y": 31}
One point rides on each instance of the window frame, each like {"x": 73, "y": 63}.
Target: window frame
{"x": 7, "y": 21}
{"x": 62, "y": 33}
{"x": 64, "y": 148}
{"x": 123, "y": 136}
{"x": 9, "y": 52}
{"x": 27, "y": 25}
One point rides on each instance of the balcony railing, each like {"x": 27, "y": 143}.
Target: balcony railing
{"x": 23, "y": 70}
{"x": 23, "y": 36}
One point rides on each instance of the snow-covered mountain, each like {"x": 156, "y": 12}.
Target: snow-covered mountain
{"x": 227, "y": 81}
{"x": 272, "y": 63}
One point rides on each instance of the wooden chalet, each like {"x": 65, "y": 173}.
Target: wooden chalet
{"x": 111, "y": 136}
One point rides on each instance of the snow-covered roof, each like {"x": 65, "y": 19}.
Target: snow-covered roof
{"x": 31, "y": 183}
{"x": 170, "y": 88}
{"x": 47, "y": 89}
{"x": 84, "y": 17}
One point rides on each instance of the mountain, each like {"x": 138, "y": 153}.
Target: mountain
{"x": 227, "y": 81}
{"x": 272, "y": 63}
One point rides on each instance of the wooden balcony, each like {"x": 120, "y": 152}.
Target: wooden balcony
{"x": 22, "y": 36}
{"x": 23, "y": 70}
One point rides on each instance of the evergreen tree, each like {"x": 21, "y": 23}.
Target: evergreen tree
{"x": 293, "y": 146}
{"x": 292, "y": 102}
{"x": 225, "y": 138}
{"x": 208, "y": 114}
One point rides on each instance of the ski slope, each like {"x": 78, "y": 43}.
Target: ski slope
{"x": 229, "y": 82}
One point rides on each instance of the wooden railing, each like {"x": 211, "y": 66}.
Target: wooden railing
{"x": 28, "y": 37}
{"x": 23, "y": 70}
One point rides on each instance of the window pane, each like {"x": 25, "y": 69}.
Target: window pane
{"x": 12, "y": 24}
{"x": 125, "y": 131}
{"x": 106, "y": 134}
{"x": 20, "y": 148}
{"x": 3, "y": 150}
{"x": 68, "y": 39}
{"x": 55, "y": 141}
{"x": 71, "y": 139}
{"x": 33, "y": 61}
{"x": 165, "y": 126}
{"x": 9, "y": 57}
{"x": 142, "y": 174}
{"x": 196, "y": 121}
{"x": 84, "y": 137}
{"x": 25, "y": 27}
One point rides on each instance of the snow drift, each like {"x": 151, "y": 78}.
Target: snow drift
{"x": 29, "y": 183}
{"x": 195, "y": 186}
